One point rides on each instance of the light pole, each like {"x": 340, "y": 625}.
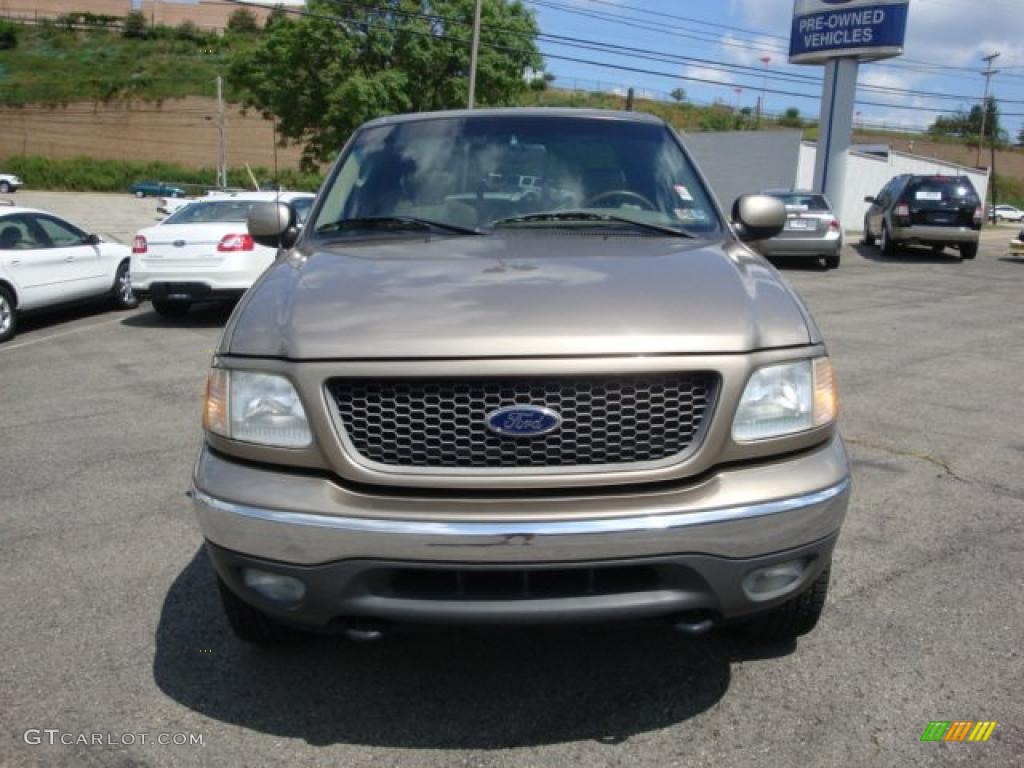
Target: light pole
{"x": 474, "y": 54}
{"x": 761, "y": 106}
{"x": 987, "y": 74}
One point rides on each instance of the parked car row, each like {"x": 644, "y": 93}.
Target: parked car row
{"x": 201, "y": 253}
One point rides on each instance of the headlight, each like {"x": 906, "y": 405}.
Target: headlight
{"x": 256, "y": 408}
{"x": 785, "y": 399}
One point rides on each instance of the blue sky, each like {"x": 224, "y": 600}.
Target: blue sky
{"x": 953, "y": 34}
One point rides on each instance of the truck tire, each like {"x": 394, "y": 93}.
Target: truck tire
{"x": 969, "y": 251}
{"x": 247, "y": 623}
{"x": 794, "y": 618}
{"x": 5, "y": 188}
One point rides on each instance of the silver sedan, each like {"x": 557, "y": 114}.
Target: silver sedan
{"x": 812, "y": 229}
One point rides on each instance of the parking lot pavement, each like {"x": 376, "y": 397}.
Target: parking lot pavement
{"x": 111, "y": 623}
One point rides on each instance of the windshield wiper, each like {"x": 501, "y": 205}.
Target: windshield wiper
{"x": 395, "y": 222}
{"x": 584, "y": 215}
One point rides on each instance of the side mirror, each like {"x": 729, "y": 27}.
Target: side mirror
{"x": 758, "y": 217}
{"x": 93, "y": 239}
{"x": 869, "y": 199}
{"x": 273, "y": 225}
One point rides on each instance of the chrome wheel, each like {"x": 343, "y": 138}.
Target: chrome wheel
{"x": 6, "y": 315}
{"x": 124, "y": 287}
{"x": 124, "y": 296}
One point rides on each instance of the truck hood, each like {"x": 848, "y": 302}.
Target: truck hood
{"x": 516, "y": 294}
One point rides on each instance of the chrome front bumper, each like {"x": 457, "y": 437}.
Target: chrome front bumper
{"x": 736, "y": 512}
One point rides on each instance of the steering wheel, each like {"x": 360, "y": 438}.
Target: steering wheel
{"x": 623, "y": 193}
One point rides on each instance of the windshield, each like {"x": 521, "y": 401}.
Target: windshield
{"x": 208, "y": 213}
{"x": 809, "y": 203}
{"x": 475, "y": 172}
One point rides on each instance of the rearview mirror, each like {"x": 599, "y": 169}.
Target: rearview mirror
{"x": 869, "y": 199}
{"x": 758, "y": 217}
{"x": 93, "y": 239}
{"x": 273, "y": 225}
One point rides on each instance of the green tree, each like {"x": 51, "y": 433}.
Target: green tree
{"x": 323, "y": 74}
{"x": 791, "y": 118}
{"x": 242, "y": 21}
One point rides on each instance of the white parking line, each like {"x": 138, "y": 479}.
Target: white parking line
{"x": 30, "y": 342}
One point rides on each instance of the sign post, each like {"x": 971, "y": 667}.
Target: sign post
{"x": 840, "y": 34}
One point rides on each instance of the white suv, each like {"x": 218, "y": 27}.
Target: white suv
{"x": 202, "y": 252}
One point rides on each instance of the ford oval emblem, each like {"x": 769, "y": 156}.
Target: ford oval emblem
{"x": 523, "y": 421}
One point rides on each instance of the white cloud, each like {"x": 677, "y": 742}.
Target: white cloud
{"x": 705, "y": 73}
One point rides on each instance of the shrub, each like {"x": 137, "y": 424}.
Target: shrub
{"x": 85, "y": 174}
{"x": 135, "y": 26}
{"x": 8, "y": 36}
{"x": 187, "y": 30}
{"x": 242, "y": 21}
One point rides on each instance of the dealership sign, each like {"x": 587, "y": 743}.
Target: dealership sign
{"x": 865, "y": 29}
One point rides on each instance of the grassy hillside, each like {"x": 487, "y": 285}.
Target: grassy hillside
{"x": 54, "y": 65}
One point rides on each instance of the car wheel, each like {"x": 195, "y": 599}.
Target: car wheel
{"x": 5, "y": 188}
{"x": 794, "y": 618}
{"x": 969, "y": 251}
{"x": 8, "y": 315}
{"x": 869, "y": 239}
{"x": 171, "y": 308}
{"x": 124, "y": 297}
{"x": 832, "y": 261}
{"x": 886, "y": 244}
{"x": 248, "y": 623}
{"x": 140, "y": 194}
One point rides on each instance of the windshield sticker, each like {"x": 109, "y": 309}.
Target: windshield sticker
{"x": 683, "y": 192}
{"x": 925, "y": 194}
{"x": 691, "y": 215}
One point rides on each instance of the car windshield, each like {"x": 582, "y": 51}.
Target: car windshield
{"x": 942, "y": 189}
{"x": 473, "y": 173}
{"x": 799, "y": 203}
{"x": 208, "y": 213}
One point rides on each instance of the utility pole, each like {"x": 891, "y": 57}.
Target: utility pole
{"x": 222, "y": 171}
{"x": 474, "y": 55}
{"x": 988, "y": 74}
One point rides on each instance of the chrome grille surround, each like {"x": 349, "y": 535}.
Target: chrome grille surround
{"x": 629, "y": 420}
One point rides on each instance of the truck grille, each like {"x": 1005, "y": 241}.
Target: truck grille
{"x": 440, "y": 423}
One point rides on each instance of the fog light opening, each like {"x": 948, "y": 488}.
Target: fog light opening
{"x": 774, "y": 581}
{"x": 274, "y": 586}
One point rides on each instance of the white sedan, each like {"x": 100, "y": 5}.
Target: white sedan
{"x": 203, "y": 251}
{"x": 46, "y": 261}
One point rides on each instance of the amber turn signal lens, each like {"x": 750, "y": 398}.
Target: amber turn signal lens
{"x": 215, "y": 415}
